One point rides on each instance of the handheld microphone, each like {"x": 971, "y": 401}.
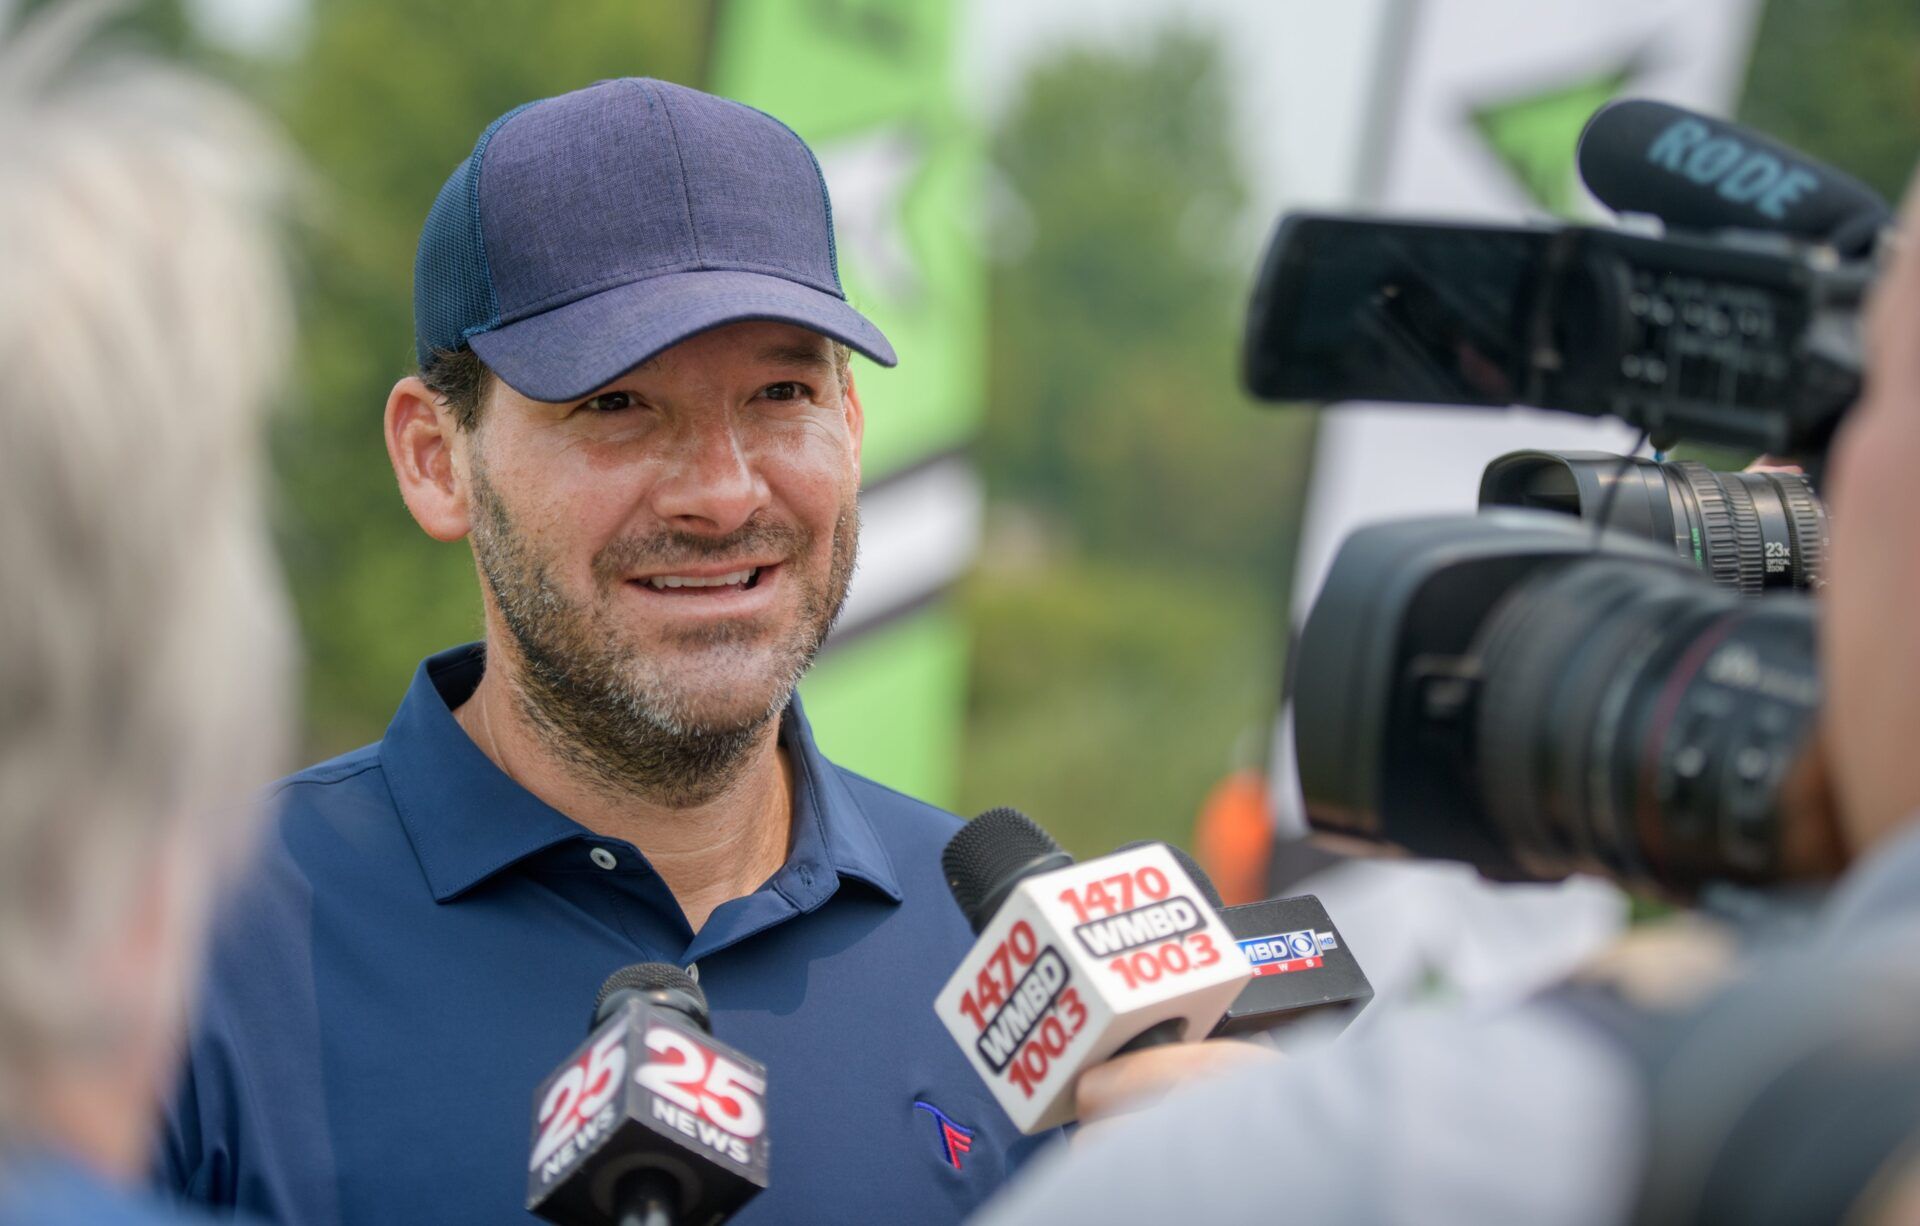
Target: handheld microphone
{"x": 1696, "y": 172}
{"x": 651, "y": 1122}
{"x": 1280, "y": 938}
{"x": 1075, "y": 962}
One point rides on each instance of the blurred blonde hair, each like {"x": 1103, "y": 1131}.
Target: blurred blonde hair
{"x": 144, "y": 638}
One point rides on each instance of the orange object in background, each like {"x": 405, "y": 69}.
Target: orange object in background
{"x": 1233, "y": 837}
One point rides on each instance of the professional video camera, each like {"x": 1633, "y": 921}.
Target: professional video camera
{"x": 1512, "y": 689}
{"x": 1738, "y": 327}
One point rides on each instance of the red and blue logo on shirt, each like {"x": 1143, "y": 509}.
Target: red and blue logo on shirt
{"x": 955, "y": 1139}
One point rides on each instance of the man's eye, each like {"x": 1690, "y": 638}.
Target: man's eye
{"x": 609, "y": 402}
{"x": 788, "y": 390}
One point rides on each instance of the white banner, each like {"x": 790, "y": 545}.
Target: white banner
{"x": 1491, "y": 95}
{"x": 1476, "y": 110}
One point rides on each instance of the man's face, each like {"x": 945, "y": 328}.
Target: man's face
{"x": 1870, "y": 650}
{"x": 668, "y": 553}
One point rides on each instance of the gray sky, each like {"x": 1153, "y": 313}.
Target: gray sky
{"x": 252, "y": 27}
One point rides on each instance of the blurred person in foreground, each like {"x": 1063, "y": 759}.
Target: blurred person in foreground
{"x": 1543, "y": 1113}
{"x": 144, "y": 652}
{"x": 636, "y": 407}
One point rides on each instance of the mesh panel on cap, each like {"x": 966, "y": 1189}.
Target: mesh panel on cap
{"x": 453, "y": 295}
{"x": 826, "y": 197}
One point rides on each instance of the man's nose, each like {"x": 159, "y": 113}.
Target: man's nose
{"x": 709, "y": 481}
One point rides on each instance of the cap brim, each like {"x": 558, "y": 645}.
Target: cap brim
{"x": 567, "y": 352}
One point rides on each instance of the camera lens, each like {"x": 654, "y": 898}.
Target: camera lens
{"x": 1751, "y": 532}
{"x": 1794, "y": 523}
{"x": 1636, "y": 722}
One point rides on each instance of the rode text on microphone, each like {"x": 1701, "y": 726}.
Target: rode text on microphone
{"x": 1075, "y": 964}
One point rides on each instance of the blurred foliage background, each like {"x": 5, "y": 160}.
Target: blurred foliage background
{"x": 1129, "y": 605}
{"x": 1128, "y": 616}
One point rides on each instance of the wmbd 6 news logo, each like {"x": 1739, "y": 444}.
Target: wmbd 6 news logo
{"x": 1280, "y": 952}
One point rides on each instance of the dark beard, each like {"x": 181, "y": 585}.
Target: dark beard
{"x": 588, "y": 698}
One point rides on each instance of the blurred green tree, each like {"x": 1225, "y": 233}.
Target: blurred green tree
{"x": 1129, "y": 609}
{"x": 384, "y": 101}
{"x": 1114, "y": 407}
{"x": 155, "y": 25}
{"x": 1841, "y": 81}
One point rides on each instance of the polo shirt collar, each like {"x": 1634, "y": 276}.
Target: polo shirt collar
{"x": 824, "y": 809}
{"x": 468, "y": 820}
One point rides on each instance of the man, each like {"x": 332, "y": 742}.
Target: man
{"x": 144, "y": 645}
{"x": 635, "y": 404}
{"x": 1541, "y": 1114}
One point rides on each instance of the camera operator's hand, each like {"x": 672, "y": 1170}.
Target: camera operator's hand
{"x": 1870, "y": 650}
{"x": 1138, "y": 1079}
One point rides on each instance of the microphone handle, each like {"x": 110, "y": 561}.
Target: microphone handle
{"x": 1157, "y": 1035}
{"x": 647, "y": 1198}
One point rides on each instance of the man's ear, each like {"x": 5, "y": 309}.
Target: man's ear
{"x": 420, "y": 443}
{"x": 856, "y": 416}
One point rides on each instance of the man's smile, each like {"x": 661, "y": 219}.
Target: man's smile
{"x": 738, "y": 578}
{"x": 725, "y": 588}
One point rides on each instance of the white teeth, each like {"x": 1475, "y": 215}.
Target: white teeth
{"x": 733, "y": 580}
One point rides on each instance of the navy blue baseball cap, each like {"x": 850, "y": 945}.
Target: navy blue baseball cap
{"x": 588, "y": 232}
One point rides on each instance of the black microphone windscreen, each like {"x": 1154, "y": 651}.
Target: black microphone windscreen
{"x": 1696, "y": 172}
{"x": 650, "y": 978}
{"x": 622, "y": 1136}
{"x": 1201, "y": 881}
{"x": 988, "y": 854}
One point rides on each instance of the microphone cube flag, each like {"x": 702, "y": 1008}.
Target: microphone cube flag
{"x": 648, "y": 1090}
{"x": 1075, "y": 964}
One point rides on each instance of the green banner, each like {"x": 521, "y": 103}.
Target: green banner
{"x": 1537, "y": 135}
{"x": 869, "y": 85}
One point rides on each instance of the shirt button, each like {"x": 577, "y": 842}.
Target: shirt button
{"x": 603, "y": 857}
{"x": 693, "y": 971}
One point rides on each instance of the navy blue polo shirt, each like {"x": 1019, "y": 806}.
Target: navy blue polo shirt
{"x": 420, "y": 943}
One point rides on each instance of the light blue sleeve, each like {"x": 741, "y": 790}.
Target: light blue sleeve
{"x": 1525, "y": 1117}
